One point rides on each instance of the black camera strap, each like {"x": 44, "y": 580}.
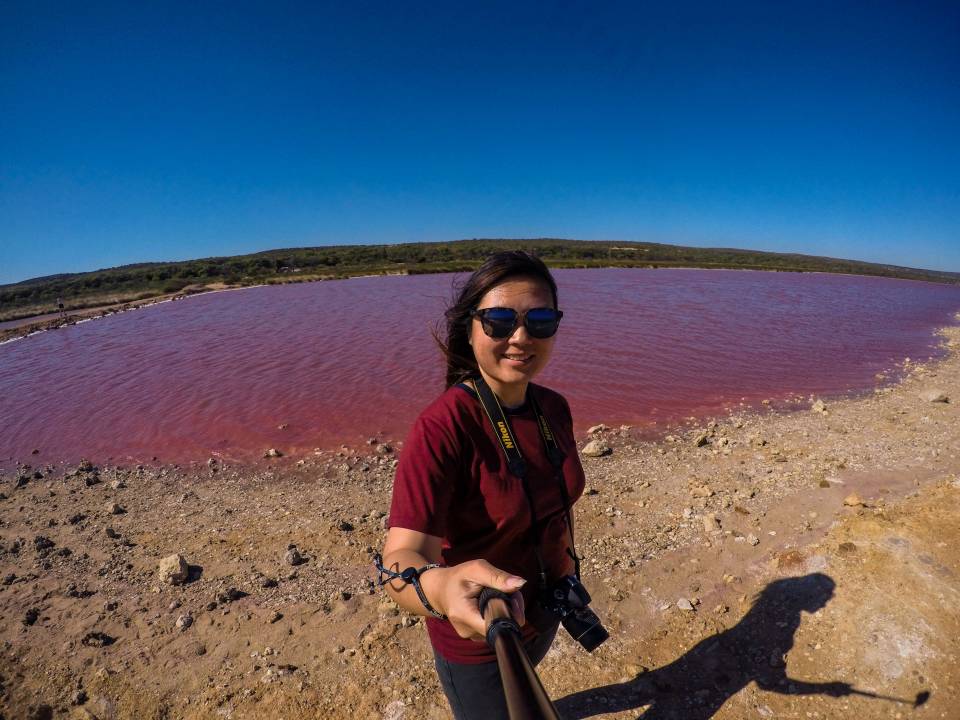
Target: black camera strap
{"x": 518, "y": 467}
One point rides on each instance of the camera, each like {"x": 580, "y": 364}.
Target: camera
{"x": 569, "y": 600}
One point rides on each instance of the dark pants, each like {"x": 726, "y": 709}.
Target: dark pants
{"x": 475, "y": 691}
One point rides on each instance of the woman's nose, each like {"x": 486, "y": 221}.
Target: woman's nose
{"x": 520, "y": 334}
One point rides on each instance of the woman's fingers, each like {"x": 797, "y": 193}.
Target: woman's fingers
{"x": 486, "y": 575}
{"x": 468, "y": 582}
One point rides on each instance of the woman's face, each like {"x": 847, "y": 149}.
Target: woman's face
{"x": 509, "y": 364}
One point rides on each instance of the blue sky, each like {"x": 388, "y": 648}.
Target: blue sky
{"x": 155, "y": 131}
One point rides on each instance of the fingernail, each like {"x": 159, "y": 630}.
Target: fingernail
{"x": 516, "y": 583}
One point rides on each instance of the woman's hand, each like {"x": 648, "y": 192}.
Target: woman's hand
{"x": 457, "y": 588}
{"x": 452, "y": 591}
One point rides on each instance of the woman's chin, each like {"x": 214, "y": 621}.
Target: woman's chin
{"x": 511, "y": 372}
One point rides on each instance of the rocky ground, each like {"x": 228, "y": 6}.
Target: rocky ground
{"x": 761, "y": 565}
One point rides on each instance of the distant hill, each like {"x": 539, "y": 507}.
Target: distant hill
{"x": 143, "y": 280}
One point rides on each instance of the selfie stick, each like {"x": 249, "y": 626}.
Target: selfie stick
{"x": 919, "y": 700}
{"x": 526, "y": 698}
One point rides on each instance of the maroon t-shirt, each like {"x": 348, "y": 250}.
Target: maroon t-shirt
{"x": 453, "y": 482}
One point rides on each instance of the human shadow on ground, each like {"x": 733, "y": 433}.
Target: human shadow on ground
{"x": 696, "y": 685}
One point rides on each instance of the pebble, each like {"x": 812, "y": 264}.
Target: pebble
{"x": 184, "y": 621}
{"x": 96, "y": 639}
{"x": 113, "y": 508}
{"x": 819, "y": 407}
{"x": 597, "y": 429}
{"x": 710, "y": 522}
{"x": 293, "y": 556}
{"x": 273, "y": 453}
{"x": 753, "y": 539}
{"x": 934, "y": 396}
{"x": 117, "y": 484}
{"x": 41, "y": 543}
{"x": 684, "y": 604}
{"x": 229, "y": 595}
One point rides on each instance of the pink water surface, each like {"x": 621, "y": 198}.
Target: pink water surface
{"x": 337, "y": 362}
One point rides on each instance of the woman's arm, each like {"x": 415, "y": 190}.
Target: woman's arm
{"x": 452, "y": 591}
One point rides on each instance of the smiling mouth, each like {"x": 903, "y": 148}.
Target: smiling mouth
{"x": 519, "y": 358}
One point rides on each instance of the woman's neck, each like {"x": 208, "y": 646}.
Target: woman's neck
{"x": 511, "y": 395}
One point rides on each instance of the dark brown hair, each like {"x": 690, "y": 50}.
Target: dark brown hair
{"x": 461, "y": 363}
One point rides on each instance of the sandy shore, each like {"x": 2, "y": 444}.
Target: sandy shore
{"x": 741, "y": 565}
{"x": 23, "y": 327}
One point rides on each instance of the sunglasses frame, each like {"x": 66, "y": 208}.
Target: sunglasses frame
{"x": 519, "y": 318}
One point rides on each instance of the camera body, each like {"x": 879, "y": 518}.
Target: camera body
{"x": 569, "y": 600}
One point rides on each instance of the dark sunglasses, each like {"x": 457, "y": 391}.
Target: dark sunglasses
{"x": 500, "y": 323}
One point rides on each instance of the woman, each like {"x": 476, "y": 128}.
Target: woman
{"x": 459, "y": 517}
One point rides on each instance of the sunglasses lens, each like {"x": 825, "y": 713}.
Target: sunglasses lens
{"x": 543, "y": 322}
{"x": 499, "y": 323}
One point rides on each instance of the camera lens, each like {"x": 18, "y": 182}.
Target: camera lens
{"x": 584, "y": 626}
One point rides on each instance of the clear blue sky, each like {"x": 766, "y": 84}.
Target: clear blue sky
{"x": 156, "y": 131}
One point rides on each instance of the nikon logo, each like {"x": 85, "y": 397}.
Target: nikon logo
{"x": 546, "y": 429}
{"x": 504, "y": 434}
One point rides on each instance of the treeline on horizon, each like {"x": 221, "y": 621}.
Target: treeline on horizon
{"x": 135, "y": 282}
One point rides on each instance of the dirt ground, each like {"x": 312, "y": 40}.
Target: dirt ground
{"x": 774, "y": 563}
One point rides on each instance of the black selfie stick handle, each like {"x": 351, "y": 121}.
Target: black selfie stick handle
{"x": 526, "y": 698}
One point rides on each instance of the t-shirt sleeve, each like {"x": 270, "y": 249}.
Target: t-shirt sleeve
{"x": 425, "y": 481}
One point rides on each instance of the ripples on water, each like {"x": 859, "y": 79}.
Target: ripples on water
{"x": 340, "y": 361}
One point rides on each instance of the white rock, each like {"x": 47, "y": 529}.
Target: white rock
{"x": 936, "y": 396}
{"x": 174, "y": 570}
{"x": 819, "y": 407}
{"x": 395, "y": 710}
{"x": 853, "y": 500}
{"x": 597, "y": 429}
{"x": 753, "y": 539}
{"x": 596, "y": 448}
{"x": 684, "y": 604}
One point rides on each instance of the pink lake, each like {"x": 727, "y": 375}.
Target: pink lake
{"x": 338, "y": 362}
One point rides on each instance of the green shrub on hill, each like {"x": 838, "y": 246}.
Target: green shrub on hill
{"x": 143, "y": 280}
